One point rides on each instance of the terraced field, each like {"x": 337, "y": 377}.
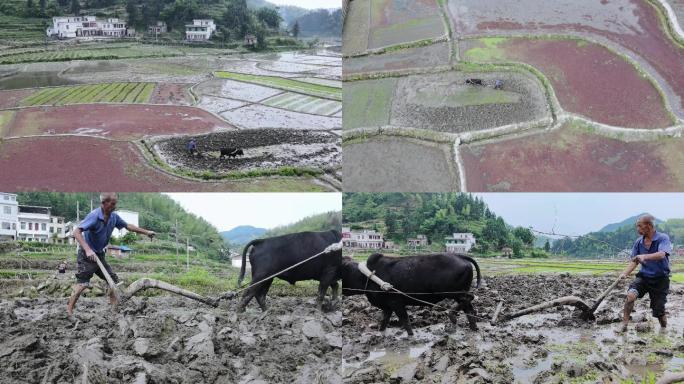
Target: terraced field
{"x": 103, "y": 53}
{"x": 567, "y": 95}
{"x": 306, "y": 104}
{"x": 307, "y": 88}
{"x": 92, "y": 93}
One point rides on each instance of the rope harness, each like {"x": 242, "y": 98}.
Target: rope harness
{"x": 386, "y": 287}
{"x": 330, "y": 248}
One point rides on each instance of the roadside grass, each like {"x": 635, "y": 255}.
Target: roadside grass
{"x": 285, "y": 84}
{"x": 92, "y": 93}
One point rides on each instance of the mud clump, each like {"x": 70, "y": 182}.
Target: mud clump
{"x": 554, "y": 345}
{"x": 263, "y": 149}
{"x": 168, "y": 340}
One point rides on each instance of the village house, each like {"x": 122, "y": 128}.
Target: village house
{"x": 60, "y": 230}
{"x": 250, "y": 40}
{"x": 418, "y": 241}
{"x": 365, "y": 239}
{"x": 9, "y": 209}
{"x": 157, "y": 29}
{"x": 68, "y": 27}
{"x": 460, "y": 242}
{"x": 119, "y": 251}
{"x": 34, "y": 223}
{"x": 130, "y": 217}
{"x": 507, "y": 252}
{"x": 200, "y": 30}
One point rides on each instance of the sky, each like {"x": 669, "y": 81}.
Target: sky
{"x": 580, "y": 213}
{"x": 310, "y": 4}
{"x": 265, "y": 210}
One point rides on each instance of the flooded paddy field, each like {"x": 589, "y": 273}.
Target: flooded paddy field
{"x": 179, "y": 96}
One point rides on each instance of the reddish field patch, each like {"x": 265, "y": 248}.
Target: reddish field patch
{"x": 11, "y": 99}
{"x": 175, "y": 94}
{"x": 633, "y": 24}
{"x": 574, "y": 160}
{"x": 77, "y": 164}
{"x": 592, "y": 81}
{"x": 125, "y": 122}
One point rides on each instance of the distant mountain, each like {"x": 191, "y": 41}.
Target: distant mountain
{"x": 289, "y": 13}
{"x": 242, "y": 235}
{"x": 319, "y": 222}
{"x": 628, "y": 221}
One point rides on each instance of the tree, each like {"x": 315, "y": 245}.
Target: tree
{"x": 525, "y": 235}
{"x": 547, "y": 246}
{"x": 269, "y": 17}
{"x": 43, "y": 4}
{"x": 133, "y": 13}
{"x": 129, "y": 238}
{"x": 237, "y": 18}
{"x": 29, "y": 8}
{"x": 75, "y": 7}
{"x": 295, "y": 29}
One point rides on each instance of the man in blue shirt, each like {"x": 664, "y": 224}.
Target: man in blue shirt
{"x": 92, "y": 235}
{"x": 652, "y": 250}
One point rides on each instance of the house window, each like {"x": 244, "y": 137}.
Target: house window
{"x": 52, "y": 229}
{"x": 42, "y": 226}
{"x": 7, "y": 210}
{"x": 30, "y": 227}
{"x": 6, "y": 197}
{"x": 23, "y": 225}
{"x": 5, "y": 225}
{"x": 14, "y": 226}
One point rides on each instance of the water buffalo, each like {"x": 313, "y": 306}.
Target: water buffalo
{"x": 427, "y": 275}
{"x": 231, "y": 152}
{"x": 475, "y": 82}
{"x": 274, "y": 254}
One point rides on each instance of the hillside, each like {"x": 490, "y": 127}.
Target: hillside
{"x": 156, "y": 212}
{"x": 606, "y": 244}
{"x": 403, "y": 215}
{"x": 628, "y": 221}
{"x": 242, "y": 234}
{"x": 20, "y": 22}
{"x": 320, "y": 222}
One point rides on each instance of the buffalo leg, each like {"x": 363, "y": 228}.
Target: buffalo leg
{"x": 247, "y": 297}
{"x": 335, "y": 288}
{"x": 326, "y": 281}
{"x": 466, "y": 304}
{"x": 404, "y": 319}
{"x": 261, "y": 294}
{"x": 386, "y": 315}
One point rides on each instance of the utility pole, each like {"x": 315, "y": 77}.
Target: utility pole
{"x": 176, "y": 232}
{"x": 187, "y": 254}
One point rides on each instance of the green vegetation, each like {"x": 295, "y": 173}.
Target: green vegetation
{"x": 92, "y": 93}
{"x": 156, "y": 212}
{"x": 368, "y": 103}
{"x": 489, "y": 51}
{"x": 320, "y": 222}
{"x": 285, "y": 84}
{"x": 611, "y": 242}
{"x": 437, "y": 215}
{"x": 96, "y": 52}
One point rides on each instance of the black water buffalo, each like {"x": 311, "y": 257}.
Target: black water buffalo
{"x": 427, "y": 276}
{"x": 272, "y": 255}
{"x": 231, "y": 152}
{"x": 475, "y": 82}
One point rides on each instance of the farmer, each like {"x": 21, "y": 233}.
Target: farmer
{"x": 192, "y": 146}
{"x": 652, "y": 250}
{"x": 498, "y": 84}
{"x": 61, "y": 268}
{"x": 93, "y": 235}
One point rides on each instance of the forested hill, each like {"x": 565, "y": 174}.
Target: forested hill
{"x": 156, "y": 212}
{"x": 603, "y": 243}
{"x": 403, "y": 215}
{"x": 320, "y": 222}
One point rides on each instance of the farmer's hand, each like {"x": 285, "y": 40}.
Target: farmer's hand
{"x": 90, "y": 255}
{"x": 639, "y": 259}
{"x": 151, "y": 234}
{"x": 623, "y": 276}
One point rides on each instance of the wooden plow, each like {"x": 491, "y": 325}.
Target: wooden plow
{"x": 586, "y": 311}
